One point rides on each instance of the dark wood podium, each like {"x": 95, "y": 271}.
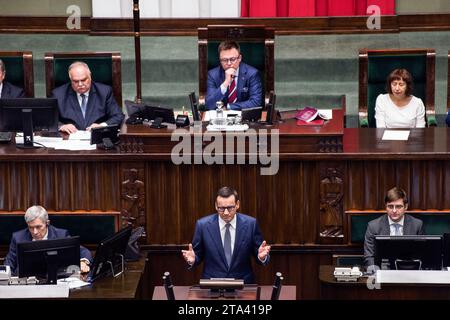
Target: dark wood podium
{"x": 251, "y": 292}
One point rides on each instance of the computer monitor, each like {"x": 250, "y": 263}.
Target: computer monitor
{"x": 426, "y": 248}
{"x": 251, "y": 114}
{"x": 194, "y": 107}
{"x": 27, "y": 115}
{"x": 446, "y": 250}
{"x": 105, "y": 137}
{"x": 152, "y": 112}
{"x": 48, "y": 259}
{"x": 109, "y": 256}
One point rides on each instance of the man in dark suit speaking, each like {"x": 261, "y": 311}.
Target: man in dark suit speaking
{"x": 8, "y": 90}
{"x": 235, "y": 83}
{"x": 394, "y": 223}
{"x": 84, "y": 104}
{"x": 39, "y": 228}
{"x": 226, "y": 241}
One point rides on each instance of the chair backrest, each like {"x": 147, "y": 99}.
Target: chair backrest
{"x": 105, "y": 68}
{"x": 257, "y": 49}
{"x": 19, "y": 70}
{"x": 276, "y": 289}
{"x": 376, "y": 65}
{"x": 408, "y": 264}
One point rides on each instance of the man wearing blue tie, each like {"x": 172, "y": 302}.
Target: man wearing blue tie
{"x": 226, "y": 241}
{"x": 84, "y": 104}
{"x": 394, "y": 223}
{"x": 236, "y": 84}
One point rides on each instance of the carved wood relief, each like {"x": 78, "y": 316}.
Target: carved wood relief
{"x": 331, "y": 202}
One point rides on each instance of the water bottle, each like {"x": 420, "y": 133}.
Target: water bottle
{"x": 219, "y": 109}
{"x": 219, "y": 114}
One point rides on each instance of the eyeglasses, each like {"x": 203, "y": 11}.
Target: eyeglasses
{"x": 230, "y": 60}
{"x": 396, "y": 206}
{"x": 229, "y": 208}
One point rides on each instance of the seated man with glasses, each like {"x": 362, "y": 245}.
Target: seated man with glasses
{"x": 226, "y": 241}
{"x": 394, "y": 223}
{"x": 39, "y": 228}
{"x": 235, "y": 83}
{"x": 84, "y": 104}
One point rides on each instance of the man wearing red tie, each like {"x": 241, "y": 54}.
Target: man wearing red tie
{"x": 236, "y": 84}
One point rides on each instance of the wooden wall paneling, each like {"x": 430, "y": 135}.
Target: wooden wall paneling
{"x": 48, "y": 185}
{"x": 417, "y": 195}
{"x": 162, "y": 202}
{"x": 63, "y": 182}
{"x": 354, "y": 195}
{"x": 104, "y": 185}
{"x": 444, "y": 189}
{"x": 5, "y": 185}
{"x": 432, "y": 180}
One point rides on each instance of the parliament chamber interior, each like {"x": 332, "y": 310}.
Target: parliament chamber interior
{"x": 312, "y": 186}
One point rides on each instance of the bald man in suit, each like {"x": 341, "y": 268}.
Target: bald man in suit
{"x": 84, "y": 104}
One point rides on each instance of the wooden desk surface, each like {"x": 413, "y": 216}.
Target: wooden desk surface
{"x": 426, "y": 142}
{"x": 124, "y": 287}
{"x": 181, "y": 293}
{"x": 365, "y": 289}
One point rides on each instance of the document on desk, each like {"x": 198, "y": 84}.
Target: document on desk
{"x": 236, "y": 127}
{"x": 60, "y": 290}
{"x": 60, "y": 144}
{"x": 80, "y": 135}
{"x": 413, "y": 276}
{"x": 402, "y": 135}
{"x": 73, "y": 282}
{"x": 211, "y": 114}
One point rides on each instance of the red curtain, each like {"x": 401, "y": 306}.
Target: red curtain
{"x": 311, "y": 8}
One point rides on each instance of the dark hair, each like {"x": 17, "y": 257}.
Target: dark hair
{"x": 226, "y": 192}
{"x": 400, "y": 74}
{"x": 395, "y": 194}
{"x": 229, "y": 44}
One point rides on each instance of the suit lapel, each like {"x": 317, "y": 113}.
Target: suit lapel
{"x": 385, "y": 229}
{"x": 241, "y": 231}
{"x": 214, "y": 232}
{"x": 407, "y": 226}
{"x": 242, "y": 80}
{"x": 90, "y": 105}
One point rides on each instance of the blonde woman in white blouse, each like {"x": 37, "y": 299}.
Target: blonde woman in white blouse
{"x": 399, "y": 108}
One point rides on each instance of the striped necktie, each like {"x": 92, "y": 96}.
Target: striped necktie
{"x": 227, "y": 244}
{"x": 232, "y": 92}
{"x": 83, "y": 104}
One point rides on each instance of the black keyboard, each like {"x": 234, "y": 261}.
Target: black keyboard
{"x": 5, "y": 137}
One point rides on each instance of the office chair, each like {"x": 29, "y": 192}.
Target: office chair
{"x": 168, "y": 286}
{"x": 106, "y": 68}
{"x": 415, "y": 264}
{"x": 375, "y": 66}
{"x": 277, "y": 286}
{"x": 19, "y": 70}
{"x": 257, "y": 47}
